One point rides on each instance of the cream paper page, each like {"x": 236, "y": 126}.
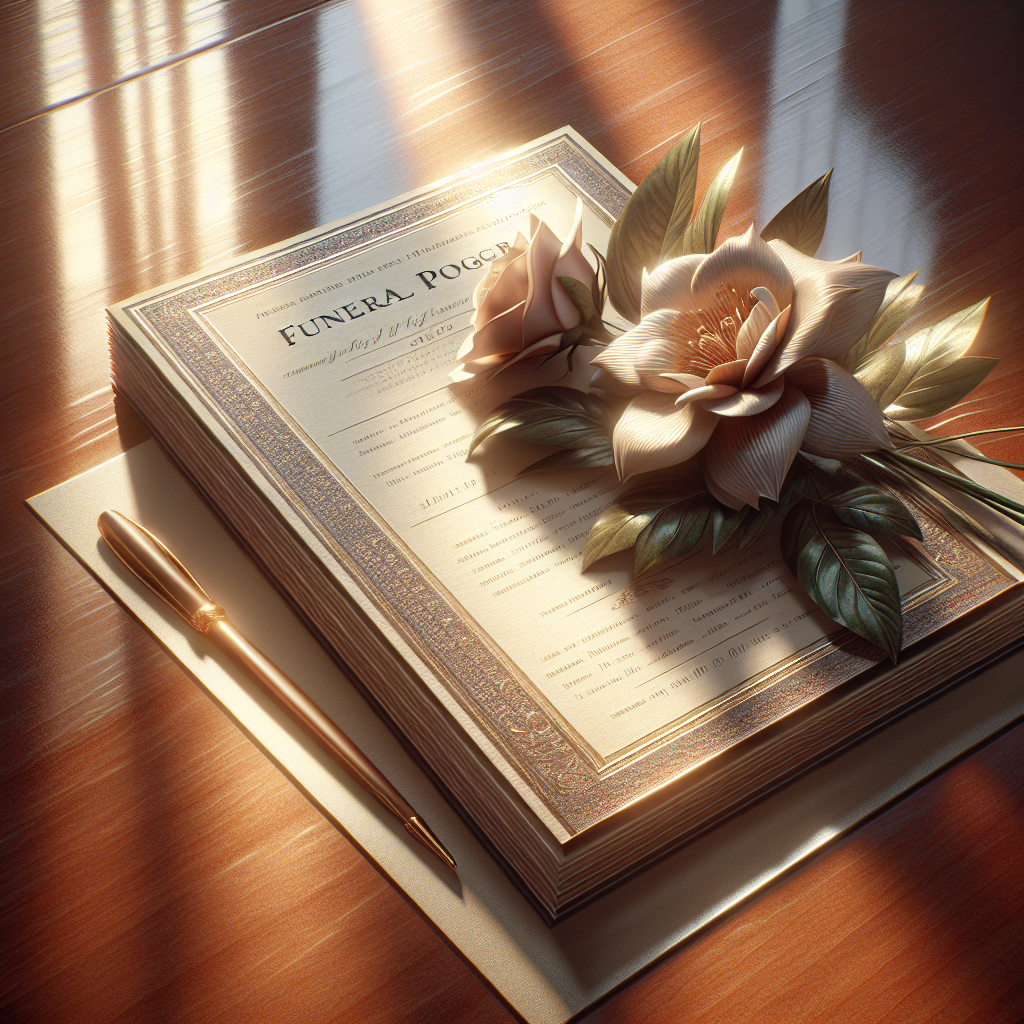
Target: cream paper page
{"x": 357, "y": 351}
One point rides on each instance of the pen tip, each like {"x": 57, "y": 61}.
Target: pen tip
{"x": 418, "y": 829}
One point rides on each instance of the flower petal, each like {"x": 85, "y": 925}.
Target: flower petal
{"x": 800, "y": 264}
{"x": 574, "y": 240}
{"x": 744, "y": 263}
{"x": 652, "y": 434}
{"x": 655, "y": 361}
{"x": 748, "y": 457}
{"x": 834, "y": 303}
{"x": 749, "y": 402}
{"x": 605, "y": 381}
{"x": 755, "y": 325}
{"x": 845, "y": 421}
{"x": 540, "y": 318}
{"x": 727, "y": 373}
{"x": 495, "y": 268}
{"x": 765, "y": 348}
{"x": 708, "y": 392}
{"x": 571, "y": 262}
{"x": 619, "y": 357}
{"x": 686, "y": 380}
{"x": 668, "y": 287}
{"x": 541, "y": 347}
{"x": 500, "y": 336}
{"x": 766, "y": 298}
{"x": 505, "y": 291}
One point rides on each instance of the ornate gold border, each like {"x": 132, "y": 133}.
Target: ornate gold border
{"x": 535, "y": 740}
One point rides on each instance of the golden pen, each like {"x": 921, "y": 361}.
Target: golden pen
{"x": 167, "y": 577}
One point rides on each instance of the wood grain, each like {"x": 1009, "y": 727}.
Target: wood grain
{"x": 155, "y": 866}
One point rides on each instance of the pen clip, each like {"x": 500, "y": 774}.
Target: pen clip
{"x": 159, "y": 569}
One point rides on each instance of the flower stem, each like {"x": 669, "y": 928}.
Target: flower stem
{"x": 977, "y": 457}
{"x": 962, "y": 483}
{"x": 940, "y": 505}
{"x": 925, "y": 442}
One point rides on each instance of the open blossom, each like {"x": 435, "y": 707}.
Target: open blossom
{"x": 522, "y": 310}
{"x": 736, "y": 354}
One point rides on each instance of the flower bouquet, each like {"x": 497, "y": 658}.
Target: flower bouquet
{"x": 757, "y": 384}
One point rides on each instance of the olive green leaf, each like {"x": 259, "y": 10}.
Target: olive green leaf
{"x": 682, "y": 210}
{"x": 700, "y": 236}
{"x": 586, "y": 301}
{"x": 725, "y": 522}
{"x": 845, "y": 572}
{"x": 582, "y": 298}
{"x": 1000, "y": 502}
{"x": 817, "y": 477}
{"x": 886, "y": 372}
{"x": 855, "y": 502}
{"x": 664, "y": 196}
{"x": 672, "y": 532}
{"x": 615, "y": 529}
{"x": 570, "y": 338}
{"x": 619, "y": 525}
{"x": 575, "y": 458}
{"x": 926, "y": 373}
{"x": 801, "y": 222}
{"x": 912, "y": 481}
{"x": 900, "y": 299}
{"x": 599, "y": 289}
{"x": 938, "y": 346}
{"x": 663, "y": 487}
{"x": 559, "y": 416}
{"x": 928, "y": 394}
{"x": 874, "y": 511}
{"x": 756, "y": 520}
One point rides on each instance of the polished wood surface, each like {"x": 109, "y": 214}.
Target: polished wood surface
{"x": 155, "y": 866}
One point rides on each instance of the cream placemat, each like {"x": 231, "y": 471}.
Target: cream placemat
{"x": 545, "y": 974}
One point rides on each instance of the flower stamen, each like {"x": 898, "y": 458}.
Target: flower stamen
{"x": 706, "y": 338}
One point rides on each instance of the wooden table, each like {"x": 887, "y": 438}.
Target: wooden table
{"x": 155, "y": 866}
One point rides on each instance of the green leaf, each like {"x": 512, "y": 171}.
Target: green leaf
{"x": 582, "y": 298}
{"x": 672, "y": 244}
{"x": 855, "y": 502}
{"x": 817, "y": 477}
{"x": 899, "y": 302}
{"x": 929, "y": 363}
{"x": 574, "y": 458}
{"x": 801, "y": 222}
{"x": 701, "y": 234}
{"x": 931, "y": 393}
{"x": 619, "y": 525}
{"x": 875, "y": 511}
{"x": 756, "y": 520}
{"x": 978, "y": 457}
{"x": 616, "y": 529}
{"x": 885, "y": 372}
{"x": 559, "y": 416}
{"x": 672, "y": 532}
{"x": 845, "y": 572}
{"x": 599, "y": 289}
{"x": 939, "y": 346}
{"x": 725, "y": 522}
{"x": 663, "y": 487}
{"x": 665, "y": 195}
{"x": 570, "y": 338}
